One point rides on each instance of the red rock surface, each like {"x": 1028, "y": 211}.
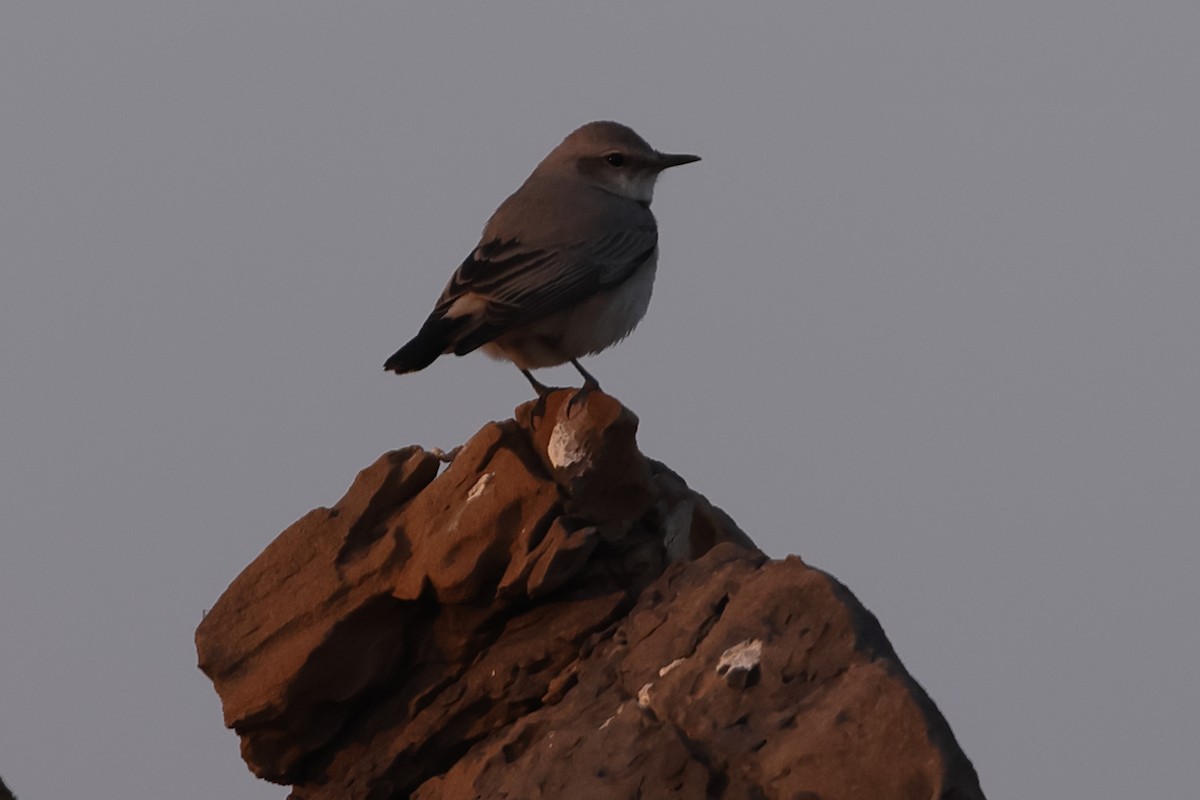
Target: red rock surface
{"x": 555, "y": 615}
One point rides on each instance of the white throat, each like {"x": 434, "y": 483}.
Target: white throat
{"x": 637, "y": 186}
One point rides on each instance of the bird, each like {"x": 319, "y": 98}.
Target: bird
{"x": 565, "y": 266}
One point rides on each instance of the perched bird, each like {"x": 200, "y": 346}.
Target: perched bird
{"x": 565, "y": 265}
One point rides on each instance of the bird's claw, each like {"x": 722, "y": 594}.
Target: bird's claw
{"x": 539, "y": 410}
{"x": 581, "y": 394}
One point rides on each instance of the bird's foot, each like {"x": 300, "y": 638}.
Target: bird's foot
{"x": 539, "y": 387}
{"x": 581, "y": 393}
{"x": 590, "y": 384}
{"x": 538, "y": 411}
{"x": 543, "y": 391}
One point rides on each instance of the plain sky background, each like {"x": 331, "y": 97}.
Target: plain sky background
{"x": 928, "y": 314}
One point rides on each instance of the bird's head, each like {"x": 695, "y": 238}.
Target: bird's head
{"x": 611, "y": 157}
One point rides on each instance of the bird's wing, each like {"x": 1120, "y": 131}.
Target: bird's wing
{"x": 505, "y": 284}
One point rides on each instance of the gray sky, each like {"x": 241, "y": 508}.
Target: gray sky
{"x": 927, "y": 314}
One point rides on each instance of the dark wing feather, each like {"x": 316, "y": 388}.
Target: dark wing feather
{"x": 517, "y": 285}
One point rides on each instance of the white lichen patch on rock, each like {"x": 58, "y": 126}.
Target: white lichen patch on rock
{"x": 565, "y": 449}
{"x": 662, "y": 673}
{"x": 616, "y": 714}
{"x": 480, "y": 485}
{"x": 743, "y": 656}
{"x": 644, "y": 695}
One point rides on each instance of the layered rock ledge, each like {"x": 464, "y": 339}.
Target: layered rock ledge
{"x": 556, "y": 615}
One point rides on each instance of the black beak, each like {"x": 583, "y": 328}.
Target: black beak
{"x": 665, "y": 160}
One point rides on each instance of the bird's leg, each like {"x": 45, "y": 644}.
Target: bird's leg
{"x": 543, "y": 391}
{"x": 589, "y": 383}
{"x": 539, "y": 387}
{"x": 589, "y": 380}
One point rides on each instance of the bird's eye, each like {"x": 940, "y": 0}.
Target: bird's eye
{"x": 615, "y": 159}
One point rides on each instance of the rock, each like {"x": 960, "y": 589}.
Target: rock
{"x": 555, "y": 613}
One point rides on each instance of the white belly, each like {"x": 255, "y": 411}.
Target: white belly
{"x": 593, "y": 325}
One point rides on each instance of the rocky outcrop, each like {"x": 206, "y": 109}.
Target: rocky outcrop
{"x": 555, "y": 615}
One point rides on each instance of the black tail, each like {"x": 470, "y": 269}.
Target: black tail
{"x": 435, "y": 337}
